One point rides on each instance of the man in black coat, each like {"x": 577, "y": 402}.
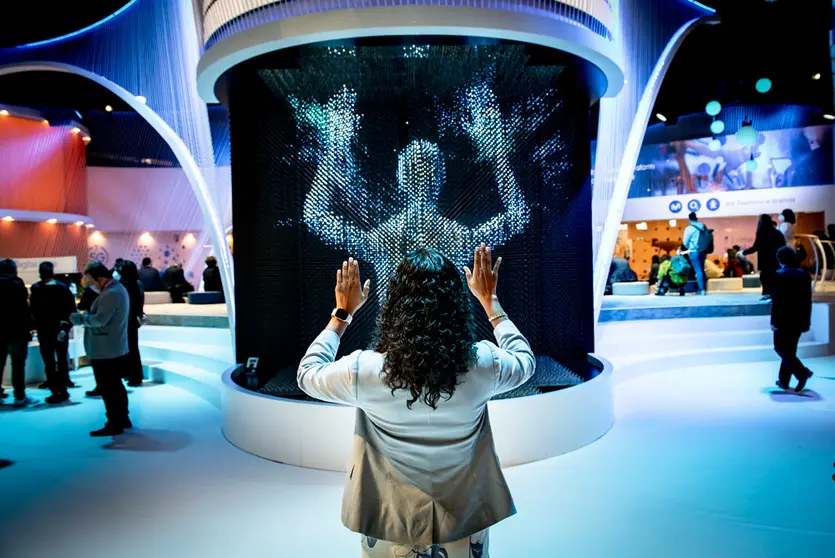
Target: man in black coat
{"x": 15, "y": 328}
{"x": 149, "y": 277}
{"x": 52, "y": 304}
{"x": 791, "y": 315}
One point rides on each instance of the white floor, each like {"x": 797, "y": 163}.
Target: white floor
{"x": 702, "y": 462}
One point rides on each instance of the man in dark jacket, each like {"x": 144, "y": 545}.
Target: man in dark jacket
{"x": 15, "y": 328}
{"x": 791, "y": 315}
{"x": 211, "y": 276}
{"x": 52, "y": 304}
{"x": 149, "y": 277}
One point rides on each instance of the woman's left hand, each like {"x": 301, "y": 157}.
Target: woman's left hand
{"x": 351, "y": 294}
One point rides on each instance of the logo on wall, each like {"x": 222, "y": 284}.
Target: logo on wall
{"x": 694, "y": 205}
{"x": 675, "y": 206}
{"x": 713, "y": 204}
{"x": 97, "y": 254}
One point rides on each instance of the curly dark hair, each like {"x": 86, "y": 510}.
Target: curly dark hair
{"x": 425, "y": 328}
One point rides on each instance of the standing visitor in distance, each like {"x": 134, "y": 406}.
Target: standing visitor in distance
{"x": 106, "y": 344}
{"x": 698, "y": 241}
{"x": 149, "y": 276}
{"x": 52, "y": 305}
{"x": 133, "y": 365}
{"x": 15, "y": 329}
{"x": 791, "y": 315}
{"x": 766, "y": 244}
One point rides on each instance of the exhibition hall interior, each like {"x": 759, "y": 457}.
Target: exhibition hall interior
{"x": 406, "y": 278}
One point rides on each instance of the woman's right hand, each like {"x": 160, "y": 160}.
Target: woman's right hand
{"x": 484, "y": 276}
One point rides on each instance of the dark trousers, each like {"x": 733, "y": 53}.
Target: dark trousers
{"x": 785, "y": 345}
{"x": 108, "y": 373}
{"x": 767, "y": 277}
{"x": 18, "y": 351}
{"x": 133, "y": 361}
{"x": 56, "y": 361}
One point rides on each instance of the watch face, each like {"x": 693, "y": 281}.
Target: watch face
{"x": 342, "y": 314}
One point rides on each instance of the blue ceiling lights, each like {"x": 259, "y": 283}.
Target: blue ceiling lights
{"x": 80, "y": 31}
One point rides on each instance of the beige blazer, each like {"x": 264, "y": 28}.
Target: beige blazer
{"x": 420, "y": 476}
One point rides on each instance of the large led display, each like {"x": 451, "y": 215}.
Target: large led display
{"x": 372, "y": 151}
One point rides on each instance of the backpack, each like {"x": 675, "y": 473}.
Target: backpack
{"x": 681, "y": 266}
{"x": 706, "y": 241}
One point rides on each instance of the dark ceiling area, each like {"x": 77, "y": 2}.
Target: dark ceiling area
{"x": 55, "y": 90}
{"x": 121, "y": 138}
{"x": 786, "y": 41}
{"x": 39, "y": 21}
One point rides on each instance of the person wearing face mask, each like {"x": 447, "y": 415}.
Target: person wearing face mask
{"x": 106, "y": 344}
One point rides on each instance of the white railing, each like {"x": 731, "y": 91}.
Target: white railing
{"x": 820, "y": 260}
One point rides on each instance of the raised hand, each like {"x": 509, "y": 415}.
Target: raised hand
{"x": 484, "y": 277}
{"x": 350, "y": 293}
{"x": 483, "y": 123}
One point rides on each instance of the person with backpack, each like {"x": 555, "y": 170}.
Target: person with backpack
{"x": 698, "y": 240}
{"x": 766, "y": 244}
{"x": 673, "y": 274}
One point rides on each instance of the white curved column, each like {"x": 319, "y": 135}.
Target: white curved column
{"x": 626, "y": 165}
{"x": 181, "y": 151}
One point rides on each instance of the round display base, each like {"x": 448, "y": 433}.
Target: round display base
{"x": 319, "y": 435}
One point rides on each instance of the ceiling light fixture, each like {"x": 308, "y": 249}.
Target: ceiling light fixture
{"x": 763, "y": 85}
{"x": 661, "y": 117}
{"x": 87, "y": 139}
{"x": 829, "y": 117}
{"x": 8, "y": 218}
{"x": 79, "y": 223}
{"x": 816, "y": 77}
{"x": 52, "y": 221}
{"x": 713, "y": 108}
{"x": 75, "y": 130}
{"x": 89, "y": 225}
{"x": 4, "y": 112}
{"x": 141, "y": 99}
{"x": 45, "y": 121}
{"x": 108, "y": 108}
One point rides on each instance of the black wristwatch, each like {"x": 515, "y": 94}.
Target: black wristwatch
{"x": 342, "y": 315}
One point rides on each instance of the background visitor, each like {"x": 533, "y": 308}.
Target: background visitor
{"x": 791, "y": 315}
{"x": 52, "y": 305}
{"x": 698, "y": 241}
{"x": 149, "y": 276}
{"x": 133, "y": 362}
{"x": 15, "y": 328}
{"x": 106, "y": 344}
{"x": 766, "y": 244}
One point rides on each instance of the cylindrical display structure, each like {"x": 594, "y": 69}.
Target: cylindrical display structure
{"x": 376, "y": 147}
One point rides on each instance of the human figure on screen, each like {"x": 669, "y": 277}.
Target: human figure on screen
{"x": 421, "y": 175}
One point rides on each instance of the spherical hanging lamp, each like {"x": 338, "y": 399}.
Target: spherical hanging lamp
{"x": 763, "y": 85}
{"x": 751, "y": 165}
{"x": 715, "y": 144}
{"x": 717, "y": 127}
{"x": 746, "y": 135}
{"x": 713, "y": 108}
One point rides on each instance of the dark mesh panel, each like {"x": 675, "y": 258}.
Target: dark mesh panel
{"x": 372, "y": 151}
